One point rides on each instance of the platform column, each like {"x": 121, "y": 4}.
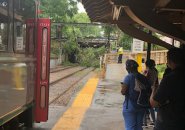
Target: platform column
{"x": 139, "y": 61}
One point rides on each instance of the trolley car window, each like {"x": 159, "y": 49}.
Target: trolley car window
{"x": 44, "y": 54}
{"x": 3, "y": 25}
{"x": 22, "y": 12}
{"x": 3, "y": 36}
{"x": 13, "y": 16}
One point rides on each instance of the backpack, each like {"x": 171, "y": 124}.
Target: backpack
{"x": 141, "y": 91}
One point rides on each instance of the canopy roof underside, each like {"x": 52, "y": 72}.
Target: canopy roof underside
{"x": 166, "y": 17}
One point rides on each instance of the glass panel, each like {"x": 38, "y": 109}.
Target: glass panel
{"x": 3, "y": 36}
{"x": 13, "y": 14}
{"x": 31, "y": 40}
{"x": 44, "y": 53}
{"x": 3, "y": 25}
{"x": 23, "y": 10}
{"x": 43, "y": 97}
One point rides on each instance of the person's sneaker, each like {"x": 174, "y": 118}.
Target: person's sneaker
{"x": 151, "y": 124}
{"x": 145, "y": 126}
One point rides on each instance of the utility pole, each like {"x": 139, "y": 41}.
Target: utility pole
{"x": 149, "y": 47}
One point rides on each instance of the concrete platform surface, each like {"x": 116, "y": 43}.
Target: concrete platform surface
{"x": 105, "y": 112}
{"x": 115, "y": 72}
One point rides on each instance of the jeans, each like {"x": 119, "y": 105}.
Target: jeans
{"x": 120, "y": 58}
{"x": 133, "y": 119}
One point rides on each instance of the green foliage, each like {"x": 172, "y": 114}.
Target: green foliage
{"x": 125, "y": 41}
{"x": 86, "y": 30}
{"x": 58, "y": 10}
{"x": 28, "y": 9}
{"x": 90, "y": 56}
{"x": 81, "y": 18}
{"x": 70, "y": 46}
{"x": 61, "y": 11}
{"x": 108, "y": 30}
{"x": 161, "y": 68}
{"x": 72, "y": 32}
{"x": 55, "y": 48}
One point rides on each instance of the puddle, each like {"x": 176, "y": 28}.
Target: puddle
{"x": 117, "y": 105}
{"x": 108, "y": 89}
{"x": 105, "y": 90}
{"x": 99, "y": 101}
{"x": 108, "y": 105}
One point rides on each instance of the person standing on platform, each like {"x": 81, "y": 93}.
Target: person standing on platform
{"x": 120, "y": 54}
{"x": 132, "y": 113}
{"x": 152, "y": 75}
{"x": 167, "y": 71}
{"x": 169, "y": 97}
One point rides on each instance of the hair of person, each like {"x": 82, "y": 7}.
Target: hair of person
{"x": 176, "y": 56}
{"x": 150, "y": 63}
{"x": 131, "y": 65}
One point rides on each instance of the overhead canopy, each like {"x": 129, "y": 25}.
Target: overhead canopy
{"x": 166, "y": 17}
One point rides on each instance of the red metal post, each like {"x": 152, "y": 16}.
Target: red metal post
{"x": 43, "y": 63}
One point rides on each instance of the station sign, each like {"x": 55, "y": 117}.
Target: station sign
{"x": 19, "y": 43}
{"x": 137, "y": 45}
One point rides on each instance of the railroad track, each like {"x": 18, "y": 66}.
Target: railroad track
{"x": 71, "y": 86}
{"x": 60, "y": 69}
{"x": 58, "y": 80}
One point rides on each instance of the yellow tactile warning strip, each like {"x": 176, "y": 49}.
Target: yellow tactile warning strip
{"x": 72, "y": 118}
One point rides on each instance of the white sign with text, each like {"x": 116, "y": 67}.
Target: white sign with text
{"x": 137, "y": 45}
{"x": 19, "y": 43}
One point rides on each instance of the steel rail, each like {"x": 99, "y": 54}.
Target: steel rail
{"x": 60, "y": 69}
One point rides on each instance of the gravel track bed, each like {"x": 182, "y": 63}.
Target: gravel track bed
{"x": 60, "y": 74}
{"x": 58, "y": 68}
{"x": 63, "y": 85}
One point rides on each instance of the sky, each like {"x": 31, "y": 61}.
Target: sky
{"x": 80, "y": 7}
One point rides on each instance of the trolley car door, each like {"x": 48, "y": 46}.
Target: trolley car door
{"x": 43, "y": 62}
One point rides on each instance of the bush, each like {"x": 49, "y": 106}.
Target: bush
{"x": 90, "y": 56}
{"x": 55, "y": 48}
{"x": 161, "y": 68}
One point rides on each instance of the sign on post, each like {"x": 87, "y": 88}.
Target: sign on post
{"x": 137, "y": 45}
{"x": 19, "y": 43}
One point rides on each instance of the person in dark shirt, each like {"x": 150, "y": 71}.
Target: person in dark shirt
{"x": 167, "y": 71}
{"x": 152, "y": 75}
{"x": 169, "y": 97}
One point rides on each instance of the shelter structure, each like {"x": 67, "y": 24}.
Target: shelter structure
{"x": 166, "y": 17}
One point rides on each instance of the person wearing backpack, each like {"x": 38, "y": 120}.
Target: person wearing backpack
{"x": 135, "y": 102}
{"x": 169, "y": 97}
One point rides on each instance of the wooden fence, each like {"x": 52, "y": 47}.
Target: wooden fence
{"x": 158, "y": 56}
